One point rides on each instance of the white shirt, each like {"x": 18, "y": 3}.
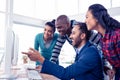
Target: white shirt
{"x": 79, "y": 49}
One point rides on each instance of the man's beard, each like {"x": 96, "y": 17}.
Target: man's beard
{"x": 78, "y": 43}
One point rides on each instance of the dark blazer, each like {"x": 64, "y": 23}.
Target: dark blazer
{"x": 87, "y": 66}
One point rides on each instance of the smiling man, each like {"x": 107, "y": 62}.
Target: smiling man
{"x": 64, "y": 26}
{"x": 87, "y": 65}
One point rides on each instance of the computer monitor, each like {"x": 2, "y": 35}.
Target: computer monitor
{"x": 11, "y": 54}
{"x": 15, "y": 49}
{"x": 1, "y": 56}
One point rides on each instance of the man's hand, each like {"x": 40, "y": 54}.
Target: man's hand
{"x": 34, "y": 55}
{"x": 38, "y": 67}
{"x": 111, "y": 73}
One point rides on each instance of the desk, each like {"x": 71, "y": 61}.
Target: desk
{"x": 22, "y": 74}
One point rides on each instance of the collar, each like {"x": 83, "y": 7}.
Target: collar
{"x": 79, "y": 49}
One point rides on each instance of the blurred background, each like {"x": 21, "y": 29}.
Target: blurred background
{"x": 27, "y": 17}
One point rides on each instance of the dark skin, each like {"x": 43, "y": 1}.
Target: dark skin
{"x": 63, "y": 25}
{"x": 69, "y": 31}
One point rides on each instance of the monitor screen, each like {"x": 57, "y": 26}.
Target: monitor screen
{"x": 11, "y": 53}
{"x": 15, "y": 49}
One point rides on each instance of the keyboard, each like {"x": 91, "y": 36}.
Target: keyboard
{"x": 33, "y": 75}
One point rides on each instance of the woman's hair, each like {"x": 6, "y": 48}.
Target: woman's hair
{"x": 53, "y": 21}
{"x": 72, "y": 22}
{"x": 100, "y": 13}
{"x": 83, "y": 29}
{"x": 51, "y": 24}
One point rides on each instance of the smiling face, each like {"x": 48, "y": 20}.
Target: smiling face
{"x": 91, "y": 22}
{"x": 62, "y": 26}
{"x": 48, "y": 32}
{"x": 76, "y": 36}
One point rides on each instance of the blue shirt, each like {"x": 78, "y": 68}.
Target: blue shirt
{"x": 40, "y": 46}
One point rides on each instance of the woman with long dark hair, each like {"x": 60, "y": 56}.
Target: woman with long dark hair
{"x": 97, "y": 18}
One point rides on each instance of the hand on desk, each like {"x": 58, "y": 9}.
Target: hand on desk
{"x": 34, "y": 55}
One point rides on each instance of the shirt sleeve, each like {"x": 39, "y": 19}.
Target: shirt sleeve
{"x": 117, "y": 50}
{"x": 83, "y": 65}
{"x": 95, "y": 37}
{"x": 57, "y": 49}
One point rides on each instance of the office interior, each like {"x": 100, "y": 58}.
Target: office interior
{"x": 27, "y": 18}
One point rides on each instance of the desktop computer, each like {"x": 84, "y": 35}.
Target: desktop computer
{"x": 11, "y": 54}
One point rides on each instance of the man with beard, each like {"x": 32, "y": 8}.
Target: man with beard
{"x": 87, "y": 65}
{"x": 64, "y": 27}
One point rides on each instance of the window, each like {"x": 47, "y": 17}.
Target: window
{"x": 45, "y": 9}
{"x": 50, "y": 9}
{"x": 115, "y": 3}
{"x": 42, "y": 9}
{"x": 2, "y": 5}
{"x": 68, "y": 7}
{"x": 2, "y": 30}
{"x": 84, "y": 4}
{"x": 24, "y": 7}
{"x": 26, "y": 36}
